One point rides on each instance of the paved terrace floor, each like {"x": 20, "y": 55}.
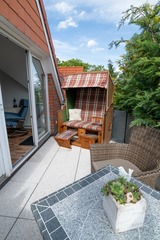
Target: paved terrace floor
{"x": 51, "y": 168}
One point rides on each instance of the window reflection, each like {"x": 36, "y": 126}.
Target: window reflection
{"x": 40, "y": 97}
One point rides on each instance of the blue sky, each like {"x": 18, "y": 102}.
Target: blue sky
{"x": 83, "y": 29}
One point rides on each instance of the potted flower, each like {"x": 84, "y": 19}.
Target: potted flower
{"x": 123, "y": 204}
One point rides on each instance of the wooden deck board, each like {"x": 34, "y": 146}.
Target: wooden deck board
{"x": 16, "y": 150}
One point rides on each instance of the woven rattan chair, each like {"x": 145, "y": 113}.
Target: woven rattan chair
{"x": 141, "y": 154}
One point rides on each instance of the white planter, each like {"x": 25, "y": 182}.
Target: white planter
{"x": 124, "y": 217}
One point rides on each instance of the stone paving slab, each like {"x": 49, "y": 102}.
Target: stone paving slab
{"x": 13, "y": 197}
{"x": 24, "y": 230}
{"x": 48, "y": 170}
{"x": 6, "y": 224}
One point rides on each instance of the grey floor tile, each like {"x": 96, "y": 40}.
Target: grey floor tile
{"x": 44, "y": 189}
{"x": 6, "y": 224}
{"x": 84, "y": 165}
{"x": 46, "y": 152}
{"x": 60, "y": 173}
{"x": 13, "y": 197}
{"x": 27, "y": 213}
{"x": 25, "y": 230}
{"x": 63, "y": 166}
{"x": 58, "y": 167}
{"x": 31, "y": 172}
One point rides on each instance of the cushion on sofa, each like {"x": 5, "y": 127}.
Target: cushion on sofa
{"x": 92, "y": 126}
{"x": 75, "y": 114}
{"x": 115, "y": 163}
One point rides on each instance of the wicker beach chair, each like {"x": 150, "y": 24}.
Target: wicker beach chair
{"x": 90, "y": 93}
{"x": 142, "y": 154}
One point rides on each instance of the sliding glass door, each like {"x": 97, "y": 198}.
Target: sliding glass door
{"x": 5, "y": 158}
{"x": 40, "y": 97}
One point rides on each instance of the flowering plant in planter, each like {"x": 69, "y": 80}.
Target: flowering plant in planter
{"x": 123, "y": 204}
{"x": 122, "y": 190}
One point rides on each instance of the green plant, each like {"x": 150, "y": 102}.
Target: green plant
{"x": 122, "y": 190}
{"x": 137, "y": 88}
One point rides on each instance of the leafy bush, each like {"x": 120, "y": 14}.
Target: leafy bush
{"x": 138, "y": 85}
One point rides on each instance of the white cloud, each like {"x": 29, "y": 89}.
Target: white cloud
{"x": 67, "y": 23}
{"x": 63, "y": 47}
{"x": 88, "y": 41}
{"x": 63, "y": 7}
{"x": 65, "y": 51}
{"x": 103, "y": 10}
{"x": 98, "y": 50}
{"x": 111, "y": 11}
{"x": 91, "y": 43}
{"x": 82, "y": 15}
{"x": 82, "y": 44}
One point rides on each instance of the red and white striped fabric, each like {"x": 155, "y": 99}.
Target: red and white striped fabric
{"x": 91, "y": 101}
{"x": 66, "y": 134}
{"x": 92, "y": 126}
{"x": 90, "y": 98}
{"x": 87, "y": 79}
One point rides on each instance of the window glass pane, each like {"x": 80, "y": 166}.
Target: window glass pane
{"x": 40, "y": 97}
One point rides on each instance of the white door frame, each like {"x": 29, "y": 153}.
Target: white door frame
{"x": 5, "y": 157}
{"x": 31, "y": 91}
{"x": 32, "y": 98}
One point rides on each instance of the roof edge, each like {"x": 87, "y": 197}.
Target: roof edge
{"x": 55, "y": 72}
{"x": 89, "y": 72}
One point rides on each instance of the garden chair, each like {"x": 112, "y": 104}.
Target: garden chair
{"x": 142, "y": 154}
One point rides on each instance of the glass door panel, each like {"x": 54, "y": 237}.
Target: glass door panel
{"x": 40, "y": 97}
{"x": 5, "y": 158}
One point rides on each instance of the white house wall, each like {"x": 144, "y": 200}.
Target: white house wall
{"x": 13, "y": 60}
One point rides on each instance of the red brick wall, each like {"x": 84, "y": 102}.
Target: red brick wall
{"x": 24, "y": 15}
{"x": 54, "y": 105}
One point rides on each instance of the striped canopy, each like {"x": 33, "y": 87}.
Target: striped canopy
{"x": 87, "y": 79}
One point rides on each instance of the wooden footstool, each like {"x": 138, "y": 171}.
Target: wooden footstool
{"x": 63, "y": 139}
{"x": 88, "y": 139}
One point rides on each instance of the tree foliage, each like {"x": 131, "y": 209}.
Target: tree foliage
{"x": 78, "y": 62}
{"x": 112, "y": 70}
{"x": 138, "y": 86}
